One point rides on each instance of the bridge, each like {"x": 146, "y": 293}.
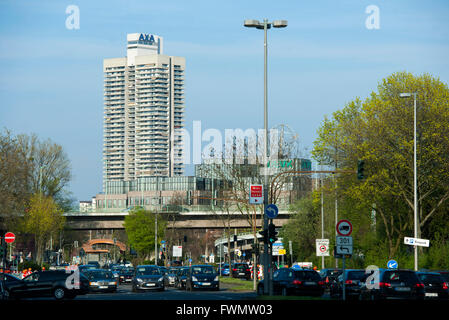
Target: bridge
{"x": 107, "y": 220}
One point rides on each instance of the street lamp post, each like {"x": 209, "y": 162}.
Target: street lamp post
{"x": 415, "y": 175}
{"x": 265, "y": 25}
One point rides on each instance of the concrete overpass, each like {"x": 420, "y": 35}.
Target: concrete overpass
{"x": 176, "y": 220}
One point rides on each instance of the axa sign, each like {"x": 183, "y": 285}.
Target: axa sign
{"x": 146, "y": 38}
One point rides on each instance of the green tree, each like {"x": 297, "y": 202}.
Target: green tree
{"x": 43, "y": 218}
{"x": 140, "y": 229}
{"x": 380, "y": 131}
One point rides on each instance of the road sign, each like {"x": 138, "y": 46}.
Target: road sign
{"x": 343, "y": 250}
{"x": 282, "y": 252}
{"x": 10, "y": 237}
{"x": 256, "y": 194}
{"x": 322, "y": 247}
{"x": 344, "y": 228}
{"x": 392, "y": 264}
{"x": 177, "y": 251}
{"x": 277, "y": 247}
{"x": 271, "y": 211}
{"x": 416, "y": 242}
{"x": 343, "y": 241}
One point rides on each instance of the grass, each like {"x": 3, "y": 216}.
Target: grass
{"x": 236, "y": 284}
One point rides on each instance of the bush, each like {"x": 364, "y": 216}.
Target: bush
{"x": 33, "y": 265}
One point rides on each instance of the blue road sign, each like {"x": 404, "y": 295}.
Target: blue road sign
{"x": 271, "y": 211}
{"x": 392, "y": 264}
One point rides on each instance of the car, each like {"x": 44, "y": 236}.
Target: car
{"x": 329, "y": 276}
{"x": 115, "y": 269}
{"x": 94, "y": 263}
{"x": 101, "y": 280}
{"x": 393, "y": 284}
{"x": 445, "y": 275}
{"x": 225, "y": 270}
{"x": 241, "y": 270}
{"x": 181, "y": 277}
{"x": 126, "y": 274}
{"x": 148, "y": 277}
{"x": 353, "y": 279}
{"x": 84, "y": 267}
{"x": 170, "y": 277}
{"x": 434, "y": 285}
{"x": 291, "y": 281}
{"x": 46, "y": 283}
{"x": 202, "y": 277}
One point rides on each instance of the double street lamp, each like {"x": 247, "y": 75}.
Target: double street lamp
{"x": 265, "y": 25}
{"x": 415, "y": 175}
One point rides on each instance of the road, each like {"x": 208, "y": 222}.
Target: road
{"x": 124, "y": 293}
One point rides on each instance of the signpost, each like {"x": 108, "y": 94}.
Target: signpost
{"x": 256, "y": 194}
{"x": 177, "y": 251}
{"x": 392, "y": 264}
{"x": 322, "y": 247}
{"x": 272, "y": 211}
{"x": 416, "y": 242}
{"x": 343, "y": 246}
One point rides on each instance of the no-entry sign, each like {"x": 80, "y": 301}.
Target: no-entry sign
{"x": 10, "y": 237}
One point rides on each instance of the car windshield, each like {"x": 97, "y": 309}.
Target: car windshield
{"x": 241, "y": 266}
{"x": 145, "y": 271}
{"x": 116, "y": 268}
{"x": 127, "y": 270}
{"x": 356, "y": 275}
{"x": 445, "y": 276}
{"x": 99, "y": 274}
{"x": 430, "y": 278}
{"x": 203, "y": 269}
{"x": 398, "y": 277}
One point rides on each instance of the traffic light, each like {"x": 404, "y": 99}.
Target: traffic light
{"x": 235, "y": 238}
{"x": 185, "y": 238}
{"x": 264, "y": 234}
{"x": 272, "y": 233}
{"x": 361, "y": 169}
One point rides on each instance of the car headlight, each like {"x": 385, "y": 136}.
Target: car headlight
{"x": 161, "y": 279}
{"x": 93, "y": 283}
{"x": 194, "y": 279}
{"x": 139, "y": 280}
{"x": 113, "y": 283}
{"x": 216, "y": 278}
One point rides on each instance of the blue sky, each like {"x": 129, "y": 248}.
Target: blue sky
{"x": 51, "y": 80}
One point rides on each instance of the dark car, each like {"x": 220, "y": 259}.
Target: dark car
{"x": 289, "y": 281}
{"x": 181, "y": 277}
{"x": 84, "y": 267}
{"x": 148, "y": 278}
{"x": 94, "y": 263}
{"x": 353, "y": 280}
{"x": 101, "y": 280}
{"x": 170, "y": 277}
{"x": 115, "y": 269}
{"x": 393, "y": 284}
{"x": 330, "y": 276}
{"x": 202, "y": 277}
{"x": 434, "y": 285}
{"x": 225, "y": 270}
{"x": 241, "y": 270}
{"x": 126, "y": 274}
{"x": 46, "y": 283}
{"x": 445, "y": 275}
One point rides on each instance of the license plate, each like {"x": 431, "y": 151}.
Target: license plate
{"x": 310, "y": 283}
{"x": 103, "y": 287}
{"x": 431, "y": 294}
{"x": 205, "y": 284}
{"x": 241, "y": 274}
{"x": 402, "y": 289}
{"x": 150, "y": 284}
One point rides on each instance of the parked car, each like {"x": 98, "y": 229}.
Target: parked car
{"x": 101, "y": 280}
{"x": 241, "y": 270}
{"x": 181, "y": 277}
{"x": 393, "y": 284}
{"x": 126, "y": 274}
{"x": 329, "y": 276}
{"x": 202, "y": 277}
{"x": 353, "y": 280}
{"x": 434, "y": 285}
{"x": 148, "y": 278}
{"x": 115, "y": 269}
{"x": 225, "y": 269}
{"x": 445, "y": 275}
{"x": 84, "y": 267}
{"x": 94, "y": 263}
{"x": 170, "y": 277}
{"x": 289, "y": 281}
{"x": 45, "y": 283}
